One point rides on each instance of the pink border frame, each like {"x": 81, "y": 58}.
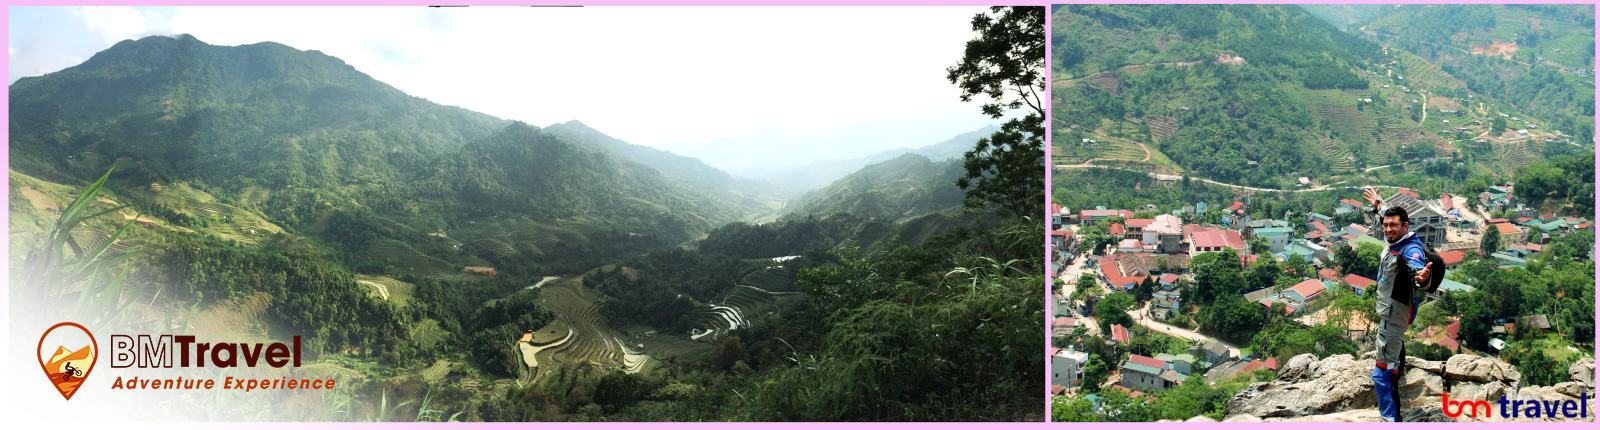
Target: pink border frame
{"x": 1049, "y": 190}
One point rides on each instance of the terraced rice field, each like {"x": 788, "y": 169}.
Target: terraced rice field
{"x": 1336, "y": 153}
{"x": 427, "y": 333}
{"x": 676, "y": 348}
{"x": 437, "y": 372}
{"x": 405, "y": 259}
{"x": 1162, "y": 127}
{"x": 1420, "y": 74}
{"x": 511, "y": 236}
{"x": 1402, "y": 135}
{"x": 590, "y": 341}
{"x": 771, "y": 279}
{"x": 1513, "y": 156}
{"x": 389, "y": 289}
{"x": 755, "y": 302}
{"x": 92, "y": 238}
{"x": 225, "y": 221}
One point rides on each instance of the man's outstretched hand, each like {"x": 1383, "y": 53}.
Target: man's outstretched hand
{"x": 1372, "y": 196}
{"x": 1422, "y": 275}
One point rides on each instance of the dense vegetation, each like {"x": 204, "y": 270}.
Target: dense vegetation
{"x": 1241, "y": 121}
{"x": 284, "y": 184}
{"x": 1550, "y": 75}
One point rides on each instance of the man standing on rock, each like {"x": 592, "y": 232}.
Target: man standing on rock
{"x": 1402, "y": 268}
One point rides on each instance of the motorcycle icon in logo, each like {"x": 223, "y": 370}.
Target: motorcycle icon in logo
{"x": 71, "y": 357}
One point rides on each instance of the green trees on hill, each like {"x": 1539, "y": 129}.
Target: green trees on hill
{"x": 311, "y": 296}
{"x": 1005, "y": 64}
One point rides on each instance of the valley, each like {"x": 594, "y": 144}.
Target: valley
{"x": 445, "y": 264}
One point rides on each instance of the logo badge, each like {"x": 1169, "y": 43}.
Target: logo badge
{"x": 69, "y": 357}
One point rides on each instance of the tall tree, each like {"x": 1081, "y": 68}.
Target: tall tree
{"x": 1005, "y": 65}
{"x": 1490, "y": 242}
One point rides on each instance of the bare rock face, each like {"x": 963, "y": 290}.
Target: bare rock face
{"x": 1340, "y": 388}
{"x": 1419, "y": 384}
{"x": 1243, "y": 418}
{"x": 1470, "y": 368}
{"x": 1368, "y": 415}
{"x": 1471, "y": 391}
{"x": 1435, "y": 367}
{"x": 1306, "y": 386}
{"x": 1582, "y": 371}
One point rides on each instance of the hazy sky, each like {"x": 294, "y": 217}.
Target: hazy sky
{"x": 743, "y": 88}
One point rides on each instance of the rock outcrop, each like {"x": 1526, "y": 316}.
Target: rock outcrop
{"x": 1340, "y": 388}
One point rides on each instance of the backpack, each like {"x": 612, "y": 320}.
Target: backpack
{"x": 1435, "y": 276}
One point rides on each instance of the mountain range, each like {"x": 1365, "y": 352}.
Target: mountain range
{"x": 310, "y": 143}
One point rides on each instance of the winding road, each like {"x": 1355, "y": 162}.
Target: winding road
{"x": 1166, "y": 177}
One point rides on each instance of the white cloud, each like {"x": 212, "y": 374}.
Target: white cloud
{"x": 113, "y": 23}
{"x": 673, "y": 77}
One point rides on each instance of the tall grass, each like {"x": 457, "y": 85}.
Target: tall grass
{"x": 51, "y": 275}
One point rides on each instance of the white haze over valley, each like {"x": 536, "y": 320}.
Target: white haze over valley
{"x": 750, "y": 90}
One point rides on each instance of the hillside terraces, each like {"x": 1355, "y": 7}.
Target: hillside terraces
{"x": 402, "y": 258}
{"x": 1422, "y": 75}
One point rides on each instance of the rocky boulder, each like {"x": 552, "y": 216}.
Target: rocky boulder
{"x": 1307, "y": 386}
{"x": 1340, "y": 388}
{"x": 1471, "y": 368}
{"x": 1582, "y": 371}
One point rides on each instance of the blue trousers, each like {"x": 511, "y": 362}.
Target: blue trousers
{"x": 1386, "y": 383}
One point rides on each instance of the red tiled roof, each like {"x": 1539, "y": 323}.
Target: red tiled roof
{"x": 1359, "y": 281}
{"x": 1309, "y": 288}
{"x": 1507, "y": 228}
{"x": 1448, "y": 202}
{"x": 1119, "y": 334}
{"x": 1057, "y": 389}
{"x": 1131, "y": 392}
{"x": 1065, "y": 322}
{"x": 1314, "y": 234}
{"x": 1116, "y": 229}
{"x": 1203, "y": 237}
{"x": 1087, "y": 213}
{"x": 1496, "y": 220}
{"x": 1453, "y": 257}
{"x": 1113, "y": 273}
{"x": 1319, "y": 225}
{"x": 1168, "y": 278}
{"x": 1237, "y": 205}
{"x": 1287, "y": 309}
{"x": 1328, "y": 273}
{"x": 1448, "y": 336}
{"x": 1533, "y": 247}
{"x": 1139, "y": 222}
{"x": 1408, "y": 192}
{"x": 1147, "y": 361}
{"x": 1055, "y": 208}
{"x": 1352, "y": 202}
{"x": 1254, "y": 365}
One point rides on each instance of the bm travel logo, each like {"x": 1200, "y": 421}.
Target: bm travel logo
{"x": 1509, "y": 408}
{"x": 68, "y": 352}
{"x": 72, "y": 351}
